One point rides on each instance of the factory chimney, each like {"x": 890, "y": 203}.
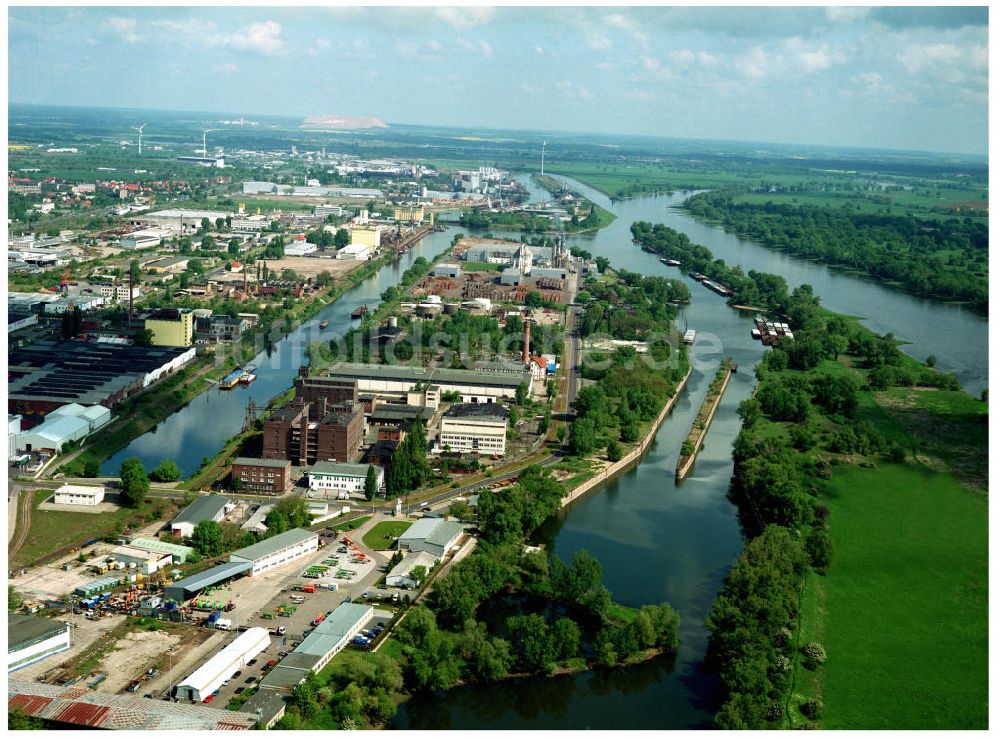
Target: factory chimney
{"x": 525, "y": 353}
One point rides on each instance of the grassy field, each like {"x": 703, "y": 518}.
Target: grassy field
{"x": 383, "y": 535}
{"x": 906, "y": 617}
{"x": 54, "y": 530}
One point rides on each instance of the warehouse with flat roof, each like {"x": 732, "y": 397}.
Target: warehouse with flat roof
{"x": 433, "y": 535}
{"x": 223, "y": 664}
{"x": 476, "y": 386}
{"x": 49, "y": 374}
{"x": 320, "y": 646}
{"x": 184, "y": 590}
{"x": 31, "y": 639}
{"x": 179, "y": 552}
{"x": 277, "y": 550}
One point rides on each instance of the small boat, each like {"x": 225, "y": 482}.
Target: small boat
{"x": 247, "y": 378}
{"x": 671, "y": 262}
{"x": 689, "y": 336}
{"x": 324, "y": 324}
{"x": 359, "y": 311}
{"x": 231, "y": 380}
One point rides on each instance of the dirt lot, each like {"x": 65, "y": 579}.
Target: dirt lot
{"x": 132, "y": 656}
{"x": 312, "y": 266}
{"x": 84, "y": 634}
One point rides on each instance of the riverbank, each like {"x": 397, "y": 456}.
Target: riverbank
{"x": 702, "y": 422}
{"x": 614, "y": 469}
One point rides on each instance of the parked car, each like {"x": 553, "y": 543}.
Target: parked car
{"x": 209, "y": 698}
{"x": 250, "y": 680}
{"x": 237, "y": 674}
{"x": 252, "y": 662}
{"x": 239, "y": 690}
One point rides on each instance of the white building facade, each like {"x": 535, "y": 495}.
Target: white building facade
{"x": 79, "y": 495}
{"x": 349, "y": 479}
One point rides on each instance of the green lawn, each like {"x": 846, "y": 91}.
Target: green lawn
{"x": 52, "y": 530}
{"x": 383, "y": 535}
{"x": 905, "y": 602}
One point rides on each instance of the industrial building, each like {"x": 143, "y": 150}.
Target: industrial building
{"x": 272, "y": 476}
{"x": 313, "y": 388}
{"x": 306, "y": 433}
{"x": 75, "y": 707}
{"x": 475, "y": 427}
{"x": 100, "y": 585}
{"x": 142, "y": 560}
{"x": 447, "y": 269}
{"x": 276, "y": 551}
{"x": 222, "y": 665}
{"x": 171, "y": 327}
{"x": 367, "y": 235}
{"x": 349, "y": 479}
{"x": 205, "y": 508}
{"x": 357, "y": 251}
{"x": 320, "y": 646}
{"x": 184, "y": 590}
{"x": 49, "y": 374}
{"x": 178, "y": 552}
{"x": 141, "y": 239}
{"x": 300, "y": 249}
{"x": 400, "y": 576}
{"x": 31, "y": 639}
{"x": 79, "y": 495}
{"x": 267, "y": 706}
{"x": 433, "y": 535}
{"x": 474, "y": 386}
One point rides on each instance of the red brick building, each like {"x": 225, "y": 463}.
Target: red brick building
{"x": 306, "y": 433}
{"x": 273, "y": 476}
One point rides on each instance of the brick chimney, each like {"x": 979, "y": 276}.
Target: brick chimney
{"x": 526, "y": 353}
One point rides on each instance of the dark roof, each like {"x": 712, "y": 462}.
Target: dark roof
{"x": 395, "y": 413}
{"x": 478, "y": 410}
{"x": 380, "y": 451}
{"x": 202, "y": 509}
{"x": 21, "y": 628}
{"x": 264, "y": 703}
{"x": 205, "y": 579}
{"x": 254, "y": 462}
{"x": 287, "y": 413}
{"x": 81, "y": 371}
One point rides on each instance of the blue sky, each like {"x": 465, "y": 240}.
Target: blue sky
{"x": 907, "y": 78}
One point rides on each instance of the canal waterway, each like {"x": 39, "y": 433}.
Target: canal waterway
{"x": 200, "y": 428}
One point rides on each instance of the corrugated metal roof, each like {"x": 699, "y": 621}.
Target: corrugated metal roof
{"x": 211, "y": 576}
{"x": 274, "y": 544}
{"x": 82, "y": 707}
{"x": 155, "y": 545}
{"x": 406, "y": 373}
{"x": 221, "y": 665}
{"x": 22, "y": 628}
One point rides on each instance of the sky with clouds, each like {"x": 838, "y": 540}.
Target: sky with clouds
{"x": 891, "y": 77}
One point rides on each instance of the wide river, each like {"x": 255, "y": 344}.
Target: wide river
{"x": 657, "y": 541}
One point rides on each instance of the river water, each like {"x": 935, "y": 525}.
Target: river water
{"x": 660, "y": 541}
{"x": 657, "y": 540}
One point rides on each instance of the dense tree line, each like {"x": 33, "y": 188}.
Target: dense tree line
{"x": 753, "y": 288}
{"x": 631, "y": 307}
{"x": 944, "y": 259}
{"x": 751, "y": 625}
{"x": 408, "y": 468}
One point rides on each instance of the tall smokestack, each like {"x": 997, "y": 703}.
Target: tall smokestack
{"x": 526, "y": 353}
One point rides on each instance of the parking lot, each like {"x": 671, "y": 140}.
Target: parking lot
{"x": 272, "y": 593}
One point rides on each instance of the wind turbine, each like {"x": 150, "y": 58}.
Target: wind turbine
{"x": 543, "y": 156}
{"x": 139, "y": 129}
{"x": 204, "y": 135}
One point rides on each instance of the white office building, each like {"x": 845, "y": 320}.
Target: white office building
{"x": 343, "y": 480}
{"x": 357, "y": 252}
{"x": 79, "y": 495}
{"x": 474, "y": 427}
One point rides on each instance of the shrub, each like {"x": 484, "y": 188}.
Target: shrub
{"x": 812, "y": 709}
{"x": 815, "y": 654}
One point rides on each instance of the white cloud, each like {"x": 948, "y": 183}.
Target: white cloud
{"x": 478, "y": 46}
{"x": 619, "y": 21}
{"x": 127, "y": 28}
{"x": 540, "y": 51}
{"x": 434, "y": 45}
{"x": 407, "y": 48}
{"x": 597, "y": 41}
{"x": 917, "y": 57}
{"x": 847, "y": 14}
{"x": 463, "y": 18}
{"x": 226, "y": 68}
{"x": 871, "y": 80}
{"x": 322, "y": 43}
{"x": 530, "y": 89}
{"x": 569, "y": 89}
{"x": 753, "y": 64}
{"x": 264, "y": 38}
